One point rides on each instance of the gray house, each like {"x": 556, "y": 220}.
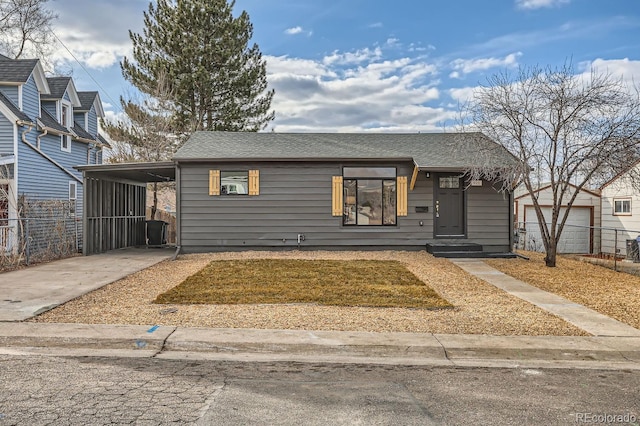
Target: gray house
{"x": 340, "y": 191}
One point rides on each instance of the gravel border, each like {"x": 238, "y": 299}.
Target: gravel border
{"x": 480, "y": 308}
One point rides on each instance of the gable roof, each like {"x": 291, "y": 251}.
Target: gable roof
{"x": 89, "y": 99}
{"x": 433, "y": 151}
{"x": 12, "y": 110}
{"x": 521, "y": 192}
{"x": 18, "y": 71}
{"x": 60, "y": 85}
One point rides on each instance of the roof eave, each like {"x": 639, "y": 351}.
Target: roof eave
{"x": 41, "y": 79}
{"x": 288, "y": 159}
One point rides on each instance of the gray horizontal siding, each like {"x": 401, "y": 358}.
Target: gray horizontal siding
{"x": 296, "y": 199}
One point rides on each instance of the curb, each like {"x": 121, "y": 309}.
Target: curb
{"x": 316, "y": 346}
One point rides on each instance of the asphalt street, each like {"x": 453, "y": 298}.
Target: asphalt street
{"x": 47, "y": 390}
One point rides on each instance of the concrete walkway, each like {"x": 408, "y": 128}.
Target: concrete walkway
{"x": 28, "y": 292}
{"x": 587, "y": 319}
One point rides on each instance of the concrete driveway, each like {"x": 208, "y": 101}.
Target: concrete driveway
{"x": 31, "y": 291}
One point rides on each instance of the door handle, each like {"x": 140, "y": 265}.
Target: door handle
{"x": 437, "y": 208}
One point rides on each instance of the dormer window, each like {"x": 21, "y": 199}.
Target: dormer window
{"x": 64, "y": 116}
{"x": 65, "y": 120}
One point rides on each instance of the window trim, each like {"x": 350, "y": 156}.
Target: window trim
{"x": 622, "y": 213}
{"x": 341, "y": 181}
{"x": 215, "y": 182}
{"x": 73, "y": 198}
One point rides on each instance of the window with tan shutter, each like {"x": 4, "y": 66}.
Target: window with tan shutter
{"x": 235, "y": 182}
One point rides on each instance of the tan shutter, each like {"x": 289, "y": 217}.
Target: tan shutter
{"x": 336, "y": 196}
{"x": 214, "y": 182}
{"x": 402, "y": 196}
{"x": 254, "y": 182}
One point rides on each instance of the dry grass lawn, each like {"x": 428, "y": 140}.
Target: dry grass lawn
{"x": 479, "y": 308}
{"x": 615, "y": 294}
{"x": 325, "y": 282}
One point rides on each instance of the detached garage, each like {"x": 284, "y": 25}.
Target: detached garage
{"x": 580, "y": 234}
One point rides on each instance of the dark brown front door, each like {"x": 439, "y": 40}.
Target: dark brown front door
{"x": 449, "y": 206}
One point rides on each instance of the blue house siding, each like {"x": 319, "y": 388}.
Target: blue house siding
{"x": 38, "y": 178}
{"x": 6, "y": 135}
{"x": 11, "y": 92}
{"x": 93, "y": 122}
{"x": 50, "y": 145}
{"x": 50, "y": 107}
{"x": 31, "y": 99}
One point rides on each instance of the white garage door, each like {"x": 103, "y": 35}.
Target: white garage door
{"x": 576, "y": 236}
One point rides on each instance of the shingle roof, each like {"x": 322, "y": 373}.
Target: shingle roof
{"x": 427, "y": 150}
{"x": 86, "y": 101}
{"x": 81, "y": 133}
{"x": 48, "y": 121}
{"x": 58, "y": 86}
{"x": 14, "y": 109}
{"x": 103, "y": 141}
{"x": 16, "y": 70}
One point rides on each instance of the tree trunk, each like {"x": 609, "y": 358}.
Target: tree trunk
{"x": 154, "y": 207}
{"x": 550, "y": 258}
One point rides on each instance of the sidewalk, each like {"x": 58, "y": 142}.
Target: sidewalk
{"x": 319, "y": 346}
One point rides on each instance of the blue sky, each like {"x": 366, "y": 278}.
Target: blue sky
{"x": 376, "y": 65}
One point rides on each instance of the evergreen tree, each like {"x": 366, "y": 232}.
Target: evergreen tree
{"x": 218, "y": 82}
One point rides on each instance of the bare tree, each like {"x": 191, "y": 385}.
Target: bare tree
{"x": 25, "y": 28}
{"x": 564, "y": 129}
{"x": 146, "y": 133}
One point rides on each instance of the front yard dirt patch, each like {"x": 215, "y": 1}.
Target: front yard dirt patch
{"x": 479, "y": 308}
{"x": 615, "y": 294}
{"x": 371, "y": 283}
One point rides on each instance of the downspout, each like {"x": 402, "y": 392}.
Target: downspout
{"x": 39, "y": 136}
{"x": 29, "y": 127}
{"x": 178, "y": 224}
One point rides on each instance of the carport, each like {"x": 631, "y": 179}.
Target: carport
{"x": 114, "y": 203}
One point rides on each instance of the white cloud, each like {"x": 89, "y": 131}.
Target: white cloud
{"x": 466, "y": 66}
{"x": 293, "y": 30}
{"x": 355, "y": 57}
{"x": 376, "y": 25}
{"x": 355, "y": 91}
{"x": 538, "y": 4}
{"x": 625, "y": 69}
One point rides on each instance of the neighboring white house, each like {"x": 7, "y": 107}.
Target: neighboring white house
{"x": 620, "y": 213}
{"x": 581, "y": 232}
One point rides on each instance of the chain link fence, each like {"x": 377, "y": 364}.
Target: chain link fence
{"x": 610, "y": 245}
{"x": 47, "y": 231}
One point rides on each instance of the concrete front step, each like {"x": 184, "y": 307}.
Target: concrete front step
{"x": 472, "y": 255}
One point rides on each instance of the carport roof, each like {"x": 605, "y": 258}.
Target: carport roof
{"x": 159, "y": 171}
